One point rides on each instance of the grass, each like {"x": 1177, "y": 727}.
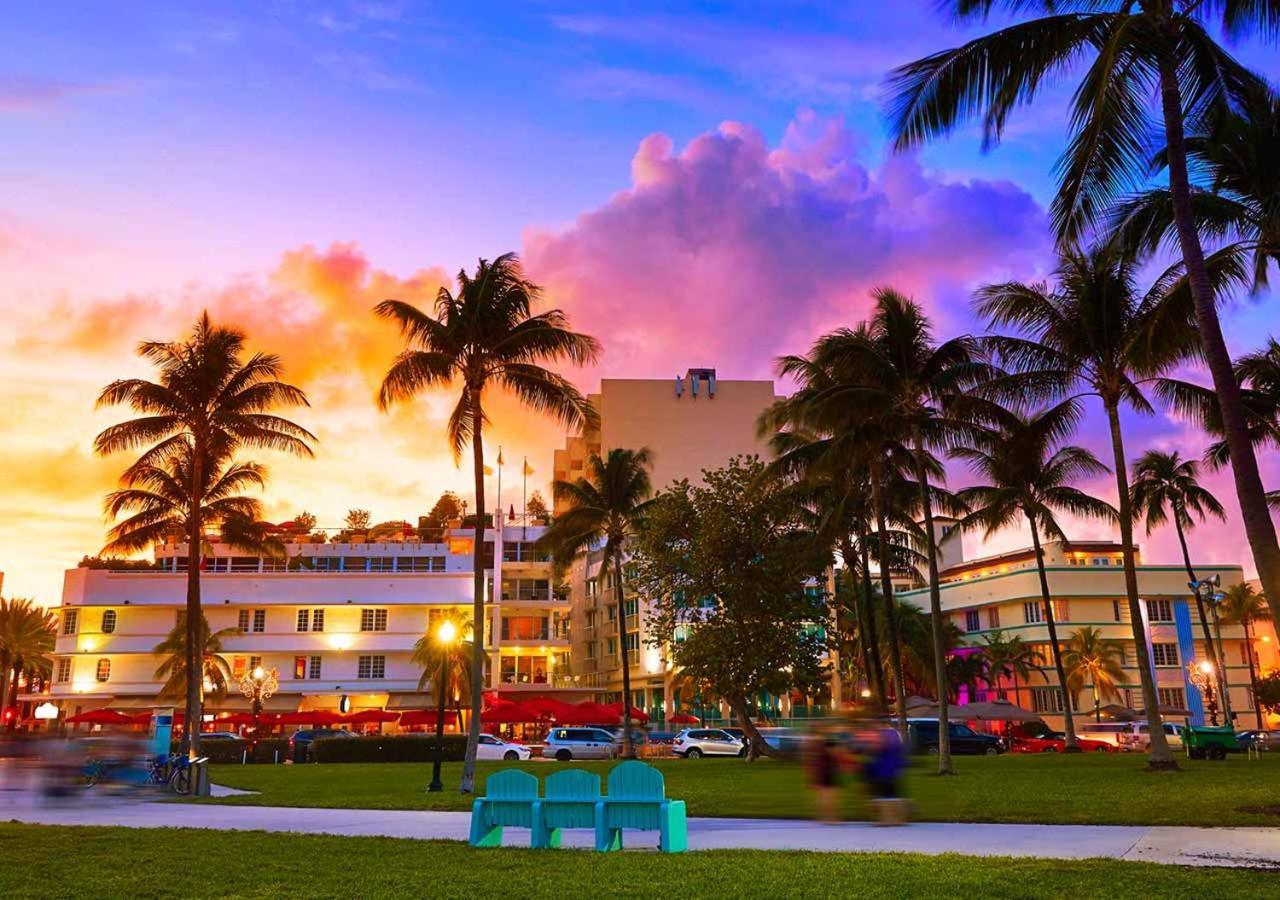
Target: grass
{"x": 1090, "y": 789}
{"x": 71, "y": 862}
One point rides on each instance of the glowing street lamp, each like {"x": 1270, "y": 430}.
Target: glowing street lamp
{"x": 1201, "y": 675}
{"x": 446, "y": 635}
{"x": 258, "y": 685}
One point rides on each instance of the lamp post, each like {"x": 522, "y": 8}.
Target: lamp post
{"x": 446, "y": 634}
{"x": 1207, "y": 590}
{"x": 258, "y": 684}
{"x": 1200, "y": 674}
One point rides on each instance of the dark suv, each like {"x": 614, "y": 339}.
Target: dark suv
{"x": 300, "y": 742}
{"x": 923, "y": 735}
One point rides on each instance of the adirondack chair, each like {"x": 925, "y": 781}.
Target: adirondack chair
{"x": 637, "y": 799}
{"x": 510, "y": 798}
{"x": 572, "y": 801}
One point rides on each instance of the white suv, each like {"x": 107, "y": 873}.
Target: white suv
{"x": 695, "y": 743}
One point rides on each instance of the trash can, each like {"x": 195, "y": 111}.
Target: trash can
{"x": 200, "y": 781}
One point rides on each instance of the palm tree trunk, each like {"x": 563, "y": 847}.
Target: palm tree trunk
{"x": 1210, "y": 650}
{"x": 195, "y": 652}
{"x": 1159, "y": 756}
{"x": 1097, "y": 708}
{"x": 1223, "y": 686}
{"x": 859, "y": 611}
{"x": 1258, "y": 526}
{"x": 628, "y": 752}
{"x": 875, "y": 663}
{"x": 479, "y": 646}
{"x": 886, "y": 589}
{"x": 1068, "y": 718}
{"x": 935, "y": 616}
{"x": 6, "y": 671}
{"x": 1253, "y": 673}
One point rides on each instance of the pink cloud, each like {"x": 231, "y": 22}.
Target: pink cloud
{"x": 756, "y": 249}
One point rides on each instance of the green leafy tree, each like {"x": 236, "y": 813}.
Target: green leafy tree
{"x": 602, "y": 510}
{"x": 208, "y": 402}
{"x": 1166, "y": 487}
{"x": 1244, "y": 606}
{"x": 966, "y": 670}
{"x": 482, "y": 338}
{"x": 726, "y": 567}
{"x": 1028, "y": 476}
{"x": 27, "y": 637}
{"x": 174, "y": 666}
{"x": 537, "y": 507}
{"x": 1146, "y": 66}
{"x": 1268, "y": 691}
{"x": 1012, "y": 658}
{"x": 304, "y": 522}
{"x": 1094, "y": 658}
{"x": 357, "y": 519}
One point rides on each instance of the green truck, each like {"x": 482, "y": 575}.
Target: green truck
{"x": 1209, "y": 742}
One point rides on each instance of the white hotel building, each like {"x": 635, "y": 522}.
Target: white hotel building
{"x": 334, "y": 619}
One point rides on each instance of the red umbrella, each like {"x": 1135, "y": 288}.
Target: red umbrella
{"x": 594, "y": 714}
{"x": 507, "y": 713}
{"x": 547, "y": 706}
{"x": 310, "y": 717}
{"x": 241, "y": 718}
{"x": 423, "y": 717}
{"x": 683, "y": 719}
{"x": 371, "y": 717}
{"x": 101, "y": 717}
{"x": 637, "y": 714}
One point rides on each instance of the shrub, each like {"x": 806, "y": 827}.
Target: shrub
{"x": 387, "y": 748}
{"x": 232, "y": 751}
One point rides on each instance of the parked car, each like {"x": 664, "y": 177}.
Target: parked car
{"x": 300, "y": 741}
{"x": 565, "y": 744}
{"x": 491, "y": 747}
{"x": 923, "y": 738}
{"x": 784, "y": 740}
{"x": 1263, "y": 740}
{"x": 661, "y": 737}
{"x": 695, "y": 743}
{"x": 1057, "y": 743}
{"x": 1134, "y": 736}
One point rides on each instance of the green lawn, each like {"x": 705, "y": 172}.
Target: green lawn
{"x": 1047, "y": 788}
{"x": 51, "y": 862}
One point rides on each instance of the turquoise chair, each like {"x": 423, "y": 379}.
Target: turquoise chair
{"x": 572, "y": 801}
{"x": 510, "y": 798}
{"x": 637, "y": 799}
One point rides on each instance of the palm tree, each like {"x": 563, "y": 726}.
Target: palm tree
{"x": 1166, "y": 486}
{"x": 1243, "y": 606}
{"x": 207, "y": 403}
{"x": 173, "y": 670}
{"x": 1011, "y": 658}
{"x": 27, "y": 637}
{"x": 444, "y": 654}
{"x": 602, "y": 509}
{"x": 966, "y": 670}
{"x": 1094, "y": 334}
{"x": 1097, "y": 659}
{"x": 1134, "y": 46}
{"x": 1029, "y": 476}
{"x": 486, "y": 336}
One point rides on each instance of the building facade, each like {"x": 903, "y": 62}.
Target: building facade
{"x": 1001, "y": 594}
{"x": 334, "y": 619}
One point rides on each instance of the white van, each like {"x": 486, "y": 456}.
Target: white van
{"x": 1128, "y": 735}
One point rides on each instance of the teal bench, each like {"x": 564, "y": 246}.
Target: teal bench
{"x": 510, "y": 798}
{"x": 637, "y": 799}
{"x": 572, "y": 801}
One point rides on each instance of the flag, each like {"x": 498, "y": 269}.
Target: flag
{"x": 500, "y": 462}
{"x": 488, "y": 469}
{"x": 528, "y": 469}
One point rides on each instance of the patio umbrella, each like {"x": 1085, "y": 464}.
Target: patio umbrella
{"x": 637, "y": 714}
{"x": 507, "y": 713}
{"x": 413, "y": 717}
{"x": 310, "y": 717}
{"x": 992, "y": 711}
{"x": 683, "y": 719}
{"x": 241, "y": 718}
{"x": 917, "y": 702}
{"x": 371, "y": 717}
{"x": 101, "y": 717}
{"x": 589, "y": 713}
{"x": 547, "y": 706}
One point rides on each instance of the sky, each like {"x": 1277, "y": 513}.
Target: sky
{"x": 695, "y": 184}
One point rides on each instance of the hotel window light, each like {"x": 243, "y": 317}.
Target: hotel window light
{"x": 70, "y": 621}
{"x": 104, "y": 670}
{"x": 108, "y": 621}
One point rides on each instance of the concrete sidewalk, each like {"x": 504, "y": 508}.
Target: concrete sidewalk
{"x": 1256, "y": 847}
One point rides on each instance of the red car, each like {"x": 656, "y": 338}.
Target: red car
{"x": 1057, "y": 745}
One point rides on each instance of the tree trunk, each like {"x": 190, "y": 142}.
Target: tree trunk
{"x": 935, "y": 616}
{"x": 1160, "y": 757}
{"x": 628, "y": 752}
{"x": 1258, "y": 525}
{"x": 859, "y": 614}
{"x": 1219, "y": 666}
{"x": 1097, "y": 707}
{"x": 442, "y": 688}
{"x": 873, "y": 641}
{"x": 195, "y": 652}
{"x": 886, "y": 588}
{"x": 480, "y": 643}
{"x": 1253, "y": 673}
{"x": 6, "y": 669}
{"x": 1223, "y": 686}
{"x": 756, "y": 746}
{"x": 1068, "y": 718}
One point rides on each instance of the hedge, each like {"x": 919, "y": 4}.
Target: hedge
{"x": 233, "y": 751}
{"x": 388, "y": 748}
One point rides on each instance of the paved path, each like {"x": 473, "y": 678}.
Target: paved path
{"x": 1258, "y": 847}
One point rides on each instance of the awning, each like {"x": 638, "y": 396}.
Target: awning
{"x": 370, "y": 717}
{"x": 419, "y": 700}
{"x": 413, "y": 717}
{"x": 101, "y": 717}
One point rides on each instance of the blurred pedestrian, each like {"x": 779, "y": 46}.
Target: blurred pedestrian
{"x": 825, "y": 757}
{"x": 886, "y": 758}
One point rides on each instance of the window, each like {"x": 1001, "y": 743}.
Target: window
{"x": 1174, "y": 697}
{"x": 371, "y": 667}
{"x": 1160, "y": 610}
{"x": 611, "y": 612}
{"x": 993, "y": 617}
{"x": 238, "y": 666}
{"x": 1164, "y": 654}
{"x": 304, "y": 620}
{"x": 633, "y": 643}
{"x": 108, "y": 621}
{"x": 1049, "y": 700}
{"x": 254, "y": 662}
{"x": 1032, "y": 612}
{"x": 63, "y": 675}
{"x": 591, "y": 649}
{"x": 1061, "y": 612}
{"x": 632, "y": 607}
{"x": 70, "y": 621}
{"x": 299, "y": 667}
{"x": 972, "y": 621}
{"x": 381, "y": 563}
{"x": 244, "y": 621}
{"x": 373, "y": 620}
{"x": 104, "y": 670}
{"x": 317, "y": 620}
{"x": 314, "y": 670}
{"x": 1115, "y": 610}
{"x": 611, "y": 647}
{"x": 259, "y": 621}
{"x": 420, "y": 564}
